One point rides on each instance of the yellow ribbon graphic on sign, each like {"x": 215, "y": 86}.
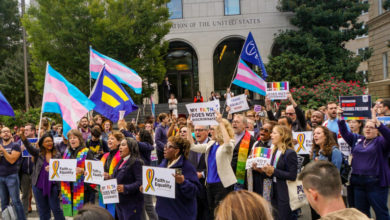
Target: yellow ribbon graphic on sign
{"x": 301, "y": 140}
{"x": 149, "y": 178}
{"x": 89, "y": 167}
{"x": 56, "y": 165}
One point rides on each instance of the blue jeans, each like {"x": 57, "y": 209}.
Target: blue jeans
{"x": 9, "y": 187}
{"x": 367, "y": 192}
{"x": 45, "y": 204}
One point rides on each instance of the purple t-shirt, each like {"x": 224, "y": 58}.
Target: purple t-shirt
{"x": 7, "y": 168}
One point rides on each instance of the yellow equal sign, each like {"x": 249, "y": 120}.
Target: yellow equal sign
{"x": 109, "y": 99}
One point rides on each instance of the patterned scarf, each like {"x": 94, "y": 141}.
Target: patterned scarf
{"x": 71, "y": 204}
{"x": 242, "y": 156}
{"x": 114, "y": 163}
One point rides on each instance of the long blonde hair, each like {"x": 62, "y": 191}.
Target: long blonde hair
{"x": 286, "y": 136}
{"x": 218, "y": 132}
{"x": 242, "y": 204}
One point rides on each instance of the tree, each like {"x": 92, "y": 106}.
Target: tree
{"x": 12, "y": 81}
{"x": 10, "y": 34}
{"x": 315, "y": 50}
{"x": 130, "y": 31}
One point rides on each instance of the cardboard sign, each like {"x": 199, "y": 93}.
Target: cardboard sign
{"x": 384, "y": 120}
{"x": 344, "y": 147}
{"x": 62, "y": 170}
{"x": 355, "y": 107}
{"x": 277, "y": 90}
{"x": 158, "y": 181}
{"x": 109, "y": 191}
{"x": 305, "y": 142}
{"x": 94, "y": 171}
{"x": 203, "y": 113}
{"x": 238, "y": 104}
{"x": 33, "y": 142}
{"x": 261, "y": 156}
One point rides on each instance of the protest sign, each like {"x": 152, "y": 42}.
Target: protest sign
{"x": 109, "y": 191}
{"x": 304, "y": 142}
{"x": 121, "y": 114}
{"x": 62, "y": 170}
{"x": 261, "y": 156}
{"x": 238, "y": 104}
{"x": 344, "y": 147}
{"x": 355, "y": 107}
{"x": 257, "y": 108}
{"x": 277, "y": 90}
{"x": 203, "y": 113}
{"x": 158, "y": 181}
{"x": 33, "y": 142}
{"x": 94, "y": 171}
{"x": 57, "y": 140}
{"x": 384, "y": 120}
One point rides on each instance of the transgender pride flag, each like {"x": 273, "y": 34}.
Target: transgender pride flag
{"x": 60, "y": 96}
{"x": 248, "y": 79}
{"x": 121, "y": 72}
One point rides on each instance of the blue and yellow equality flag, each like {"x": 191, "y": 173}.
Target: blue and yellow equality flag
{"x": 110, "y": 97}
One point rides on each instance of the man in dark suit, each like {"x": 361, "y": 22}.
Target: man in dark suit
{"x": 244, "y": 142}
{"x": 198, "y": 160}
{"x": 167, "y": 86}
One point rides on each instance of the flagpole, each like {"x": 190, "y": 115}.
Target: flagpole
{"x": 234, "y": 73}
{"x": 89, "y": 67}
{"x": 40, "y": 117}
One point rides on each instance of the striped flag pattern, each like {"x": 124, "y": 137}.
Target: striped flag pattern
{"x": 121, "y": 72}
{"x": 60, "y": 96}
{"x": 248, "y": 79}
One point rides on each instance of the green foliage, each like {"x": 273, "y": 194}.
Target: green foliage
{"x": 22, "y": 117}
{"x": 326, "y": 91}
{"x": 316, "y": 47}
{"x": 10, "y": 34}
{"x": 130, "y": 31}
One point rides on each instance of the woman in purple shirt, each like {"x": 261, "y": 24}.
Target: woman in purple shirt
{"x": 45, "y": 192}
{"x": 370, "y": 171}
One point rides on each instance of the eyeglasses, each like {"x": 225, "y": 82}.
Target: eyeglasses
{"x": 289, "y": 113}
{"x": 250, "y": 116}
{"x": 369, "y": 127}
{"x": 264, "y": 129}
{"x": 170, "y": 146}
{"x": 199, "y": 130}
{"x": 183, "y": 131}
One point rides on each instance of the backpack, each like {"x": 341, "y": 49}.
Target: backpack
{"x": 345, "y": 170}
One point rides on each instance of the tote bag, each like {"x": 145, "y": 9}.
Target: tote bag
{"x": 296, "y": 194}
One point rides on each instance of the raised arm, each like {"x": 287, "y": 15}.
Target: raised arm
{"x": 199, "y": 148}
{"x": 348, "y": 136}
{"x": 31, "y": 150}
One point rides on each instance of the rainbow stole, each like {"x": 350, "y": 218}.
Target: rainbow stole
{"x": 242, "y": 156}
{"x": 114, "y": 163}
{"x": 71, "y": 207}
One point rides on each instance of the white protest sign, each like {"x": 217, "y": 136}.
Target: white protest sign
{"x": 344, "y": 147}
{"x": 109, "y": 191}
{"x": 277, "y": 90}
{"x": 259, "y": 155}
{"x": 94, "y": 172}
{"x": 158, "y": 181}
{"x": 57, "y": 140}
{"x": 62, "y": 170}
{"x": 305, "y": 141}
{"x": 121, "y": 114}
{"x": 203, "y": 113}
{"x": 238, "y": 104}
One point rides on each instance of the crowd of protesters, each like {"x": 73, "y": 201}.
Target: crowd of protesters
{"x": 213, "y": 182}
